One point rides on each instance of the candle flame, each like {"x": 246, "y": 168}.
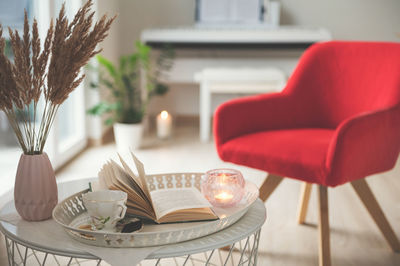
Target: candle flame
{"x": 224, "y": 196}
{"x": 164, "y": 115}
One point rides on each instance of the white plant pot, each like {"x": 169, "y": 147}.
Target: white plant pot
{"x": 127, "y": 136}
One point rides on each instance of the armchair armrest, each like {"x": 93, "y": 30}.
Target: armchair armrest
{"x": 363, "y": 145}
{"x": 258, "y": 113}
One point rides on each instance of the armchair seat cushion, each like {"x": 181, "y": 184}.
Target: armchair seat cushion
{"x": 296, "y": 153}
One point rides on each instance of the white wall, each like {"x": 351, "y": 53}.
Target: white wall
{"x": 346, "y": 19}
{"x": 95, "y": 127}
{"x": 136, "y": 15}
{"x": 111, "y": 45}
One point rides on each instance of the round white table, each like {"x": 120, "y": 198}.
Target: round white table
{"x": 25, "y": 248}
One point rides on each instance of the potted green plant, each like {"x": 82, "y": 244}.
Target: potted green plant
{"x": 129, "y": 87}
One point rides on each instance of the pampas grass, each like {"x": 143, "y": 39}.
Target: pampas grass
{"x": 51, "y": 73}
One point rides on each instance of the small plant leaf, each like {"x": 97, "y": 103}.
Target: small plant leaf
{"x": 101, "y": 108}
{"x": 109, "y": 121}
{"x": 108, "y": 65}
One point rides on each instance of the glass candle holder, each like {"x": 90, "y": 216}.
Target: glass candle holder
{"x": 223, "y": 187}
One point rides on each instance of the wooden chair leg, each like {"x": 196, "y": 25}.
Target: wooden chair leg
{"x": 303, "y": 202}
{"x": 323, "y": 227}
{"x": 367, "y": 197}
{"x": 269, "y": 185}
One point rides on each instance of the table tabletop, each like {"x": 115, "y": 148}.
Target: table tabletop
{"x": 48, "y": 236}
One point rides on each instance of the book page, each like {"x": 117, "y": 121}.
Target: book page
{"x": 246, "y": 11}
{"x": 112, "y": 176}
{"x": 131, "y": 173}
{"x": 142, "y": 174}
{"x": 214, "y": 11}
{"x": 106, "y": 175}
{"x": 121, "y": 180}
{"x": 125, "y": 178}
{"x": 170, "y": 200}
{"x": 99, "y": 184}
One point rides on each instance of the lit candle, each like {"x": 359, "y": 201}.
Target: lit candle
{"x": 223, "y": 197}
{"x": 164, "y": 125}
{"x": 223, "y": 187}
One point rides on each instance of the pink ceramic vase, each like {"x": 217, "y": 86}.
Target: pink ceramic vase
{"x": 35, "y": 191}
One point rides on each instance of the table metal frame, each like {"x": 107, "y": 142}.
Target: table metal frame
{"x": 23, "y": 253}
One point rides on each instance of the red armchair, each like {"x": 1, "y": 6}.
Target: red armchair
{"x": 336, "y": 121}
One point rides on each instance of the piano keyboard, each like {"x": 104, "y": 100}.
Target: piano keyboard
{"x": 258, "y": 34}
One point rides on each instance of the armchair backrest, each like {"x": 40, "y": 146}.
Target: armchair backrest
{"x": 343, "y": 79}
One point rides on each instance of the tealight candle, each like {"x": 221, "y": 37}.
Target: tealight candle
{"x": 164, "y": 125}
{"x": 223, "y": 187}
{"x": 223, "y": 197}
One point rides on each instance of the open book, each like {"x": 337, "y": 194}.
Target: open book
{"x": 163, "y": 205}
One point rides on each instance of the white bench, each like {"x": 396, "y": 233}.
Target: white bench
{"x": 233, "y": 80}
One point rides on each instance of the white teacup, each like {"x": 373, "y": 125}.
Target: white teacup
{"x": 105, "y": 207}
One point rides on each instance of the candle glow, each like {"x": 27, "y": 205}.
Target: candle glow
{"x": 164, "y": 115}
{"x": 224, "y": 196}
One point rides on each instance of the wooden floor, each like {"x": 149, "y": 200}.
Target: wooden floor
{"x": 355, "y": 239}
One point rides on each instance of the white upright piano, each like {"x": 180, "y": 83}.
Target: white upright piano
{"x": 205, "y": 46}
{"x": 200, "y": 47}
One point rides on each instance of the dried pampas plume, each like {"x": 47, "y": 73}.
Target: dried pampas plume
{"x": 68, "y": 46}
